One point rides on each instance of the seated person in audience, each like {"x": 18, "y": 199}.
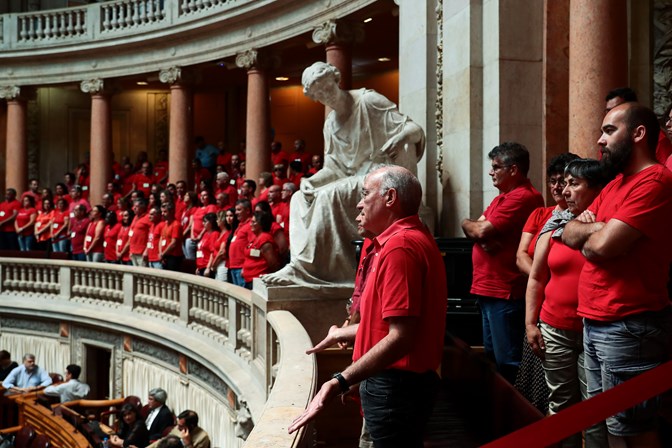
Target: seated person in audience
{"x": 170, "y": 442}
{"x": 27, "y": 377}
{"x": 6, "y": 364}
{"x": 71, "y": 389}
{"x": 187, "y": 429}
{"x": 132, "y": 431}
{"x": 159, "y": 416}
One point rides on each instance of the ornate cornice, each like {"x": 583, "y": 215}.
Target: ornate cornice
{"x": 94, "y": 85}
{"x": 338, "y": 31}
{"x": 170, "y": 75}
{"x": 10, "y": 92}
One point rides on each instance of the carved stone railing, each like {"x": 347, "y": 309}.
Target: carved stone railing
{"x": 126, "y": 37}
{"x": 167, "y": 307}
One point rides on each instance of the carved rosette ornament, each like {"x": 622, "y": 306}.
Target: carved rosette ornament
{"x": 170, "y": 75}
{"x": 93, "y": 86}
{"x": 338, "y": 31}
{"x": 247, "y": 59}
{"x": 10, "y": 92}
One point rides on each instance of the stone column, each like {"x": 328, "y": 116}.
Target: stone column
{"x": 338, "y": 37}
{"x": 179, "y": 137}
{"x": 16, "y": 171}
{"x": 258, "y": 145}
{"x": 101, "y": 138}
{"x": 598, "y": 62}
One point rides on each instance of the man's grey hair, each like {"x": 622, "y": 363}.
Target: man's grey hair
{"x": 159, "y": 395}
{"x": 222, "y": 175}
{"x": 407, "y": 186}
{"x": 28, "y": 356}
{"x": 289, "y": 186}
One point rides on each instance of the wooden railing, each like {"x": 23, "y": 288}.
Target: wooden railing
{"x": 270, "y": 346}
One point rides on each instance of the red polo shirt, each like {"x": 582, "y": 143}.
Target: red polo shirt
{"x": 139, "y": 233}
{"x": 241, "y": 238}
{"x": 110, "y": 236}
{"x": 406, "y": 279}
{"x": 6, "y": 210}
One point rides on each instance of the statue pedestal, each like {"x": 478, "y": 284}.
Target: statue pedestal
{"x": 316, "y": 307}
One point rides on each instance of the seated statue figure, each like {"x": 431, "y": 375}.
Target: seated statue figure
{"x": 363, "y": 130}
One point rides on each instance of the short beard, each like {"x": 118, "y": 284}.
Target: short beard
{"x": 619, "y": 155}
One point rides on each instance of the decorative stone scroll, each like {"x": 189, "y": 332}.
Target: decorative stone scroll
{"x": 338, "y": 31}
{"x": 94, "y": 85}
{"x": 170, "y": 75}
{"x": 10, "y": 92}
{"x": 247, "y": 59}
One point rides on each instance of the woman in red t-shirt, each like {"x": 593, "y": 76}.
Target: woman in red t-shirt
{"x": 277, "y": 231}
{"x": 110, "y": 236}
{"x": 196, "y": 224}
{"x": 43, "y": 225}
{"x": 261, "y": 255}
{"x": 122, "y": 247}
{"x": 59, "y": 226}
{"x": 24, "y": 223}
{"x": 554, "y": 330}
{"x": 93, "y": 242}
{"x": 228, "y": 222}
{"x": 207, "y": 244}
{"x": 190, "y": 206}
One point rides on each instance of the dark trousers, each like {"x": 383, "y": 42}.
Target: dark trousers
{"x": 9, "y": 241}
{"x": 397, "y": 405}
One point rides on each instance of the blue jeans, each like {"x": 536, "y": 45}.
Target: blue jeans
{"x": 79, "y": 257}
{"x": 618, "y": 351}
{"x": 397, "y": 405}
{"x": 503, "y": 329}
{"x": 190, "y": 249}
{"x": 156, "y": 265}
{"x": 60, "y": 246}
{"x": 26, "y": 242}
{"x": 237, "y": 277}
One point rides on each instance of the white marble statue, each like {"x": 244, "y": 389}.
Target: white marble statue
{"x": 363, "y": 130}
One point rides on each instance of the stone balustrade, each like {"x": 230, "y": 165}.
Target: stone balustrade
{"x": 262, "y": 346}
{"x": 127, "y": 37}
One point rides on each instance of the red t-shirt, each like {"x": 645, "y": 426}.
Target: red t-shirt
{"x": 302, "y": 157}
{"x": 223, "y": 237}
{"x": 241, "y": 238}
{"x": 495, "y": 273}
{"x": 110, "y": 237}
{"x": 280, "y": 157}
{"x": 42, "y": 221}
{"x": 255, "y": 263}
{"x": 23, "y": 218}
{"x": 90, "y": 235}
{"x": 561, "y": 294}
{"x": 6, "y": 210}
{"x": 197, "y": 218}
{"x": 144, "y": 183}
{"x": 122, "y": 239}
{"x": 206, "y": 246}
{"x": 77, "y": 234}
{"x": 160, "y": 170}
{"x": 535, "y": 222}
{"x": 664, "y": 148}
{"x": 231, "y": 194}
{"x": 58, "y": 224}
{"x": 153, "y": 241}
{"x": 139, "y": 234}
{"x": 406, "y": 279}
{"x": 635, "y": 281}
{"x": 169, "y": 232}
{"x": 80, "y": 201}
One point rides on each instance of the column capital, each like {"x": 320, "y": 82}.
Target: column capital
{"x": 170, "y": 75}
{"x": 338, "y": 31}
{"x": 93, "y": 86}
{"x": 10, "y": 92}
{"x": 254, "y": 58}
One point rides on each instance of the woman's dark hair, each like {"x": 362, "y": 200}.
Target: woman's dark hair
{"x": 212, "y": 219}
{"x": 588, "y": 169}
{"x": 49, "y": 200}
{"x": 265, "y": 220}
{"x": 155, "y": 197}
{"x": 264, "y": 206}
{"x": 111, "y": 218}
{"x": 193, "y": 199}
{"x": 234, "y": 226}
{"x": 101, "y": 210}
{"x": 31, "y": 200}
{"x": 558, "y": 163}
{"x": 131, "y": 215}
{"x": 125, "y": 409}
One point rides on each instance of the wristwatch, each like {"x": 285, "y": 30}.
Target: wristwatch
{"x": 342, "y": 383}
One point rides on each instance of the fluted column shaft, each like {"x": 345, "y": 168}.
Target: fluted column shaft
{"x": 598, "y": 62}
{"x": 16, "y": 173}
{"x": 179, "y": 162}
{"x": 101, "y": 146}
{"x": 258, "y": 153}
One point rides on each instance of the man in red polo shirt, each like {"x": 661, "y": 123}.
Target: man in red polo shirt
{"x": 399, "y": 340}
{"x": 9, "y": 208}
{"x": 623, "y": 297}
{"x": 225, "y": 186}
{"x": 497, "y": 283}
{"x": 170, "y": 238}
{"x": 139, "y": 233}
{"x": 241, "y": 238}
